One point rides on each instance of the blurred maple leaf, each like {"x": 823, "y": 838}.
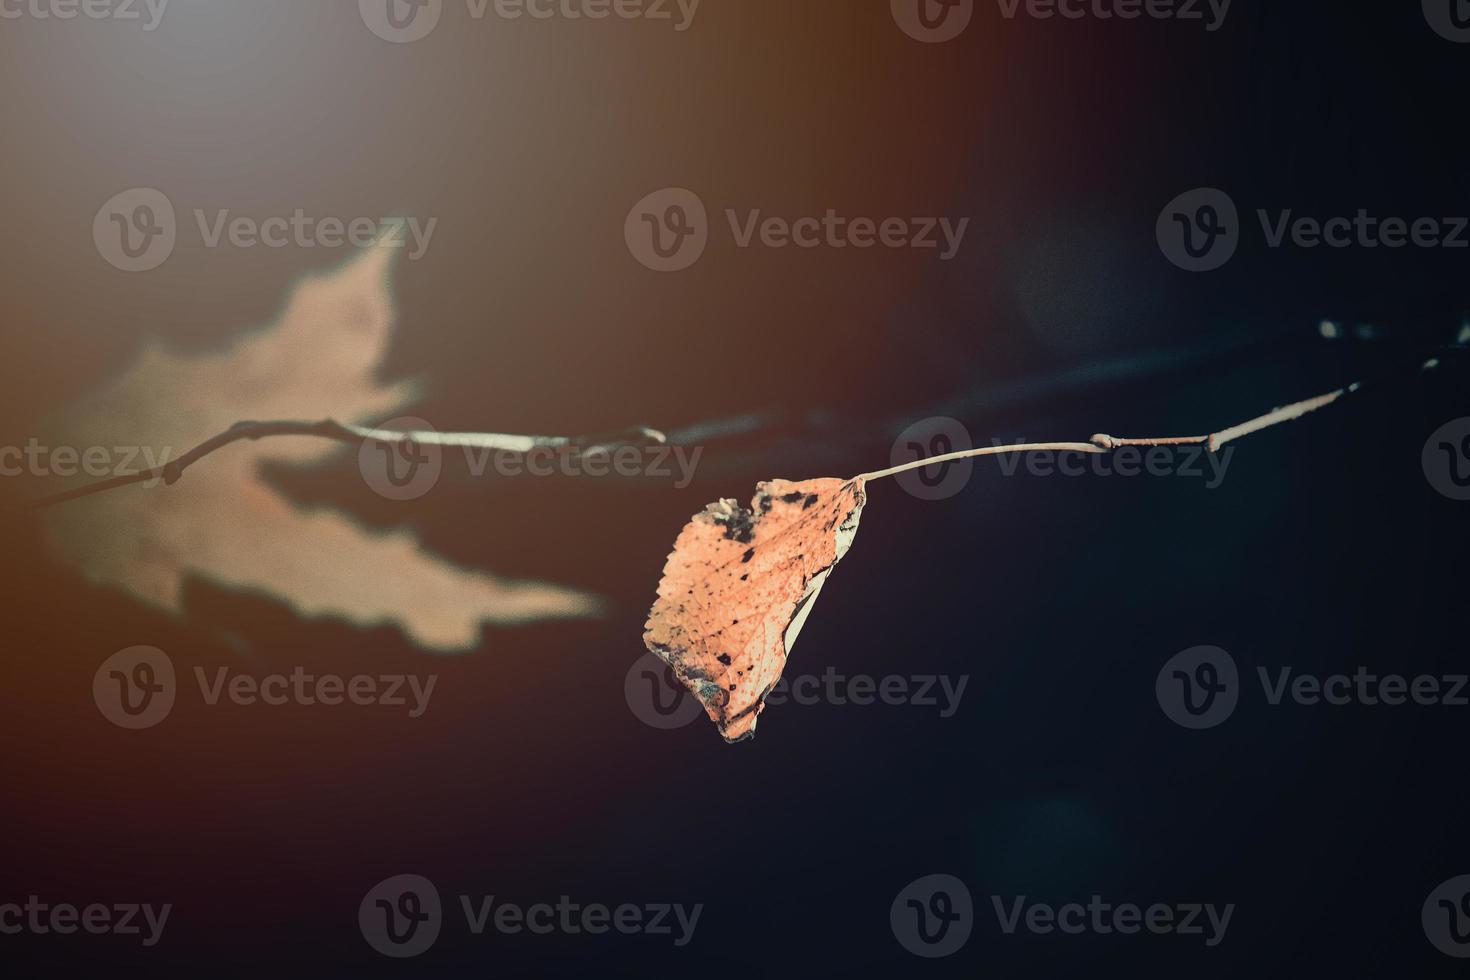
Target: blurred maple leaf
{"x": 228, "y": 526}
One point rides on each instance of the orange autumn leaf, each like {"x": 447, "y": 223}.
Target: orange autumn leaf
{"x": 739, "y": 585}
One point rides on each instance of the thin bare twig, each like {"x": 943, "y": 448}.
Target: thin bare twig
{"x": 1102, "y": 443}
{"x": 1029, "y": 447}
{"x": 170, "y": 472}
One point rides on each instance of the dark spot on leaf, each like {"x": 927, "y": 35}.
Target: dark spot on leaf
{"x": 749, "y": 554}
{"x": 739, "y": 525}
{"x": 724, "y": 658}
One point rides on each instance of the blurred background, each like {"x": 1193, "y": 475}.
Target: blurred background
{"x": 527, "y": 141}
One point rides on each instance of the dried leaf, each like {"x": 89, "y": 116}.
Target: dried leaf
{"x": 739, "y": 586}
